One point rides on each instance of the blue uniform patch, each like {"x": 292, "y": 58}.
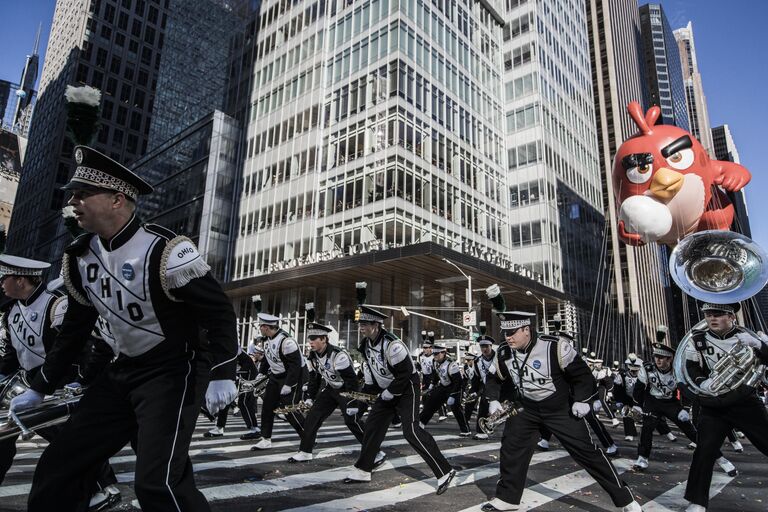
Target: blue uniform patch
{"x": 128, "y": 272}
{"x": 536, "y": 364}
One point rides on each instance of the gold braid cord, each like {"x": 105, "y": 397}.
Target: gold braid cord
{"x": 56, "y": 302}
{"x": 65, "y": 262}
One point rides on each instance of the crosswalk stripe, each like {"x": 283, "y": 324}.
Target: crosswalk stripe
{"x": 207, "y": 443}
{"x": 19, "y": 489}
{"x": 673, "y": 499}
{"x": 298, "y": 481}
{"x": 538, "y": 495}
{"x": 405, "y": 492}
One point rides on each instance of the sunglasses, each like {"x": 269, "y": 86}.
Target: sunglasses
{"x": 313, "y": 338}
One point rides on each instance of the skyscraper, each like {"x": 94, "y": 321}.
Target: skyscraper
{"x": 662, "y": 64}
{"x": 553, "y": 166}
{"x": 636, "y": 298}
{"x": 375, "y": 126}
{"x": 148, "y": 57}
{"x": 698, "y": 115}
{"x": 115, "y": 47}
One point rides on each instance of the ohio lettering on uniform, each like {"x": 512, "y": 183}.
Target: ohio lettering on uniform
{"x": 391, "y": 351}
{"x": 28, "y": 324}
{"x": 330, "y": 364}
{"x": 715, "y": 348}
{"x": 445, "y": 370}
{"x": 660, "y": 385}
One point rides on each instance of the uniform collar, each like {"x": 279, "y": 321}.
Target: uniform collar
{"x": 490, "y": 356}
{"x": 122, "y": 236}
{"x": 527, "y": 349}
{"x": 725, "y": 336}
{"x": 379, "y": 338}
{"x": 35, "y": 294}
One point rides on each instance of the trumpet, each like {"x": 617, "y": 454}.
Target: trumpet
{"x": 366, "y": 398}
{"x": 489, "y": 424}
{"x": 469, "y": 399}
{"x": 300, "y": 407}
{"x": 256, "y": 386}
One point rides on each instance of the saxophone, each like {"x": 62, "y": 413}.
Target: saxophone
{"x": 489, "y": 424}
{"x": 300, "y": 407}
{"x": 256, "y": 386}
{"x": 469, "y": 398}
{"x": 365, "y": 398}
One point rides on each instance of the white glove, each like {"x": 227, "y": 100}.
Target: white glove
{"x": 451, "y": 401}
{"x": 749, "y": 340}
{"x": 684, "y": 416}
{"x": 617, "y": 379}
{"x": 305, "y": 387}
{"x": 619, "y": 405}
{"x": 580, "y": 409}
{"x": 309, "y": 402}
{"x": 637, "y": 409}
{"x": 285, "y": 390}
{"x": 494, "y": 406}
{"x": 386, "y": 395}
{"x": 351, "y": 411}
{"x": 493, "y": 291}
{"x": 27, "y": 400}
{"x": 219, "y": 394}
{"x": 609, "y": 396}
{"x": 596, "y": 405}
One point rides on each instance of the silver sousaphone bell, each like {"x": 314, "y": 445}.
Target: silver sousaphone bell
{"x": 719, "y": 266}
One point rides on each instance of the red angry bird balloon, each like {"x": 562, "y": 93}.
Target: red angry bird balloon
{"x": 666, "y": 186}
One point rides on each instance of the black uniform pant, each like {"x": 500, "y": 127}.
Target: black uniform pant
{"x": 654, "y": 411}
{"x": 326, "y": 402}
{"x": 482, "y": 412}
{"x": 696, "y": 413}
{"x": 246, "y": 402}
{"x": 519, "y": 440}
{"x": 748, "y": 415}
{"x": 602, "y": 392}
{"x": 435, "y": 400}
{"x": 407, "y": 406}
{"x": 155, "y": 405}
{"x": 630, "y": 429}
{"x": 597, "y": 427}
{"x": 273, "y": 399}
{"x": 8, "y": 452}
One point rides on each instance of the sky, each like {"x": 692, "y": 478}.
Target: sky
{"x": 731, "y": 44}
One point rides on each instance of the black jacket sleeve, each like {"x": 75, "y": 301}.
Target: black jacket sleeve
{"x": 350, "y": 379}
{"x": 580, "y": 378}
{"x": 315, "y": 380}
{"x": 9, "y": 363}
{"x": 457, "y": 380}
{"x": 402, "y": 370}
{"x": 211, "y": 308}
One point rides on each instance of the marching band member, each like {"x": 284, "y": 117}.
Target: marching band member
{"x": 743, "y": 411}
{"x": 556, "y": 389}
{"x": 153, "y": 292}
{"x": 392, "y": 373}
{"x": 446, "y": 386}
{"x": 286, "y": 377}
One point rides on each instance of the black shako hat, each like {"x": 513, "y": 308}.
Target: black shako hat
{"x": 97, "y": 170}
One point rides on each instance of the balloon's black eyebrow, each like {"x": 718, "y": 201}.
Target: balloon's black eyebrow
{"x": 683, "y": 142}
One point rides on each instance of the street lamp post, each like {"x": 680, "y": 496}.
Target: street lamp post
{"x": 543, "y": 310}
{"x": 469, "y": 282}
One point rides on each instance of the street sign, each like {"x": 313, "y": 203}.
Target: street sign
{"x": 469, "y": 318}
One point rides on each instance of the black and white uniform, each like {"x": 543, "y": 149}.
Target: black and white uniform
{"x": 333, "y": 372}
{"x": 153, "y": 293}
{"x": 482, "y": 366}
{"x": 391, "y": 368}
{"x": 604, "y": 381}
{"x": 30, "y": 326}
{"x": 655, "y": 391}
{"x": 548, "y": 377}
{"x": 469, "y": 388}
{"x": 742, "y": 411}
{"x": 287, "y": 367}
{"x": 623, "y": 387}
{"x": 425, "y": 364}
{"x": 246, "y": 402}
{"x": 447, "y": 382}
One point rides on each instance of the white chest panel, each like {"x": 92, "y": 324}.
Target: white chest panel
{"x": 715, "y": 349}
{"x": 660, "y": 385}
{"x": 535, "y": 379}
{"x": 483, "y": 365}
{"x": 329, "y": 365}
{"x": 426, "y": 364}
{"x": 629, "y": 384}
{"x": 443, "y": 372}
{"x": 117, "y": 284}
{"x": 377, "y": 360}
{"x": 273, "y": 348}
{"x": 26, "y": 327}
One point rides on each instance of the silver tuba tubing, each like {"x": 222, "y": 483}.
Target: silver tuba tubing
{"x": 53, "y": 411}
